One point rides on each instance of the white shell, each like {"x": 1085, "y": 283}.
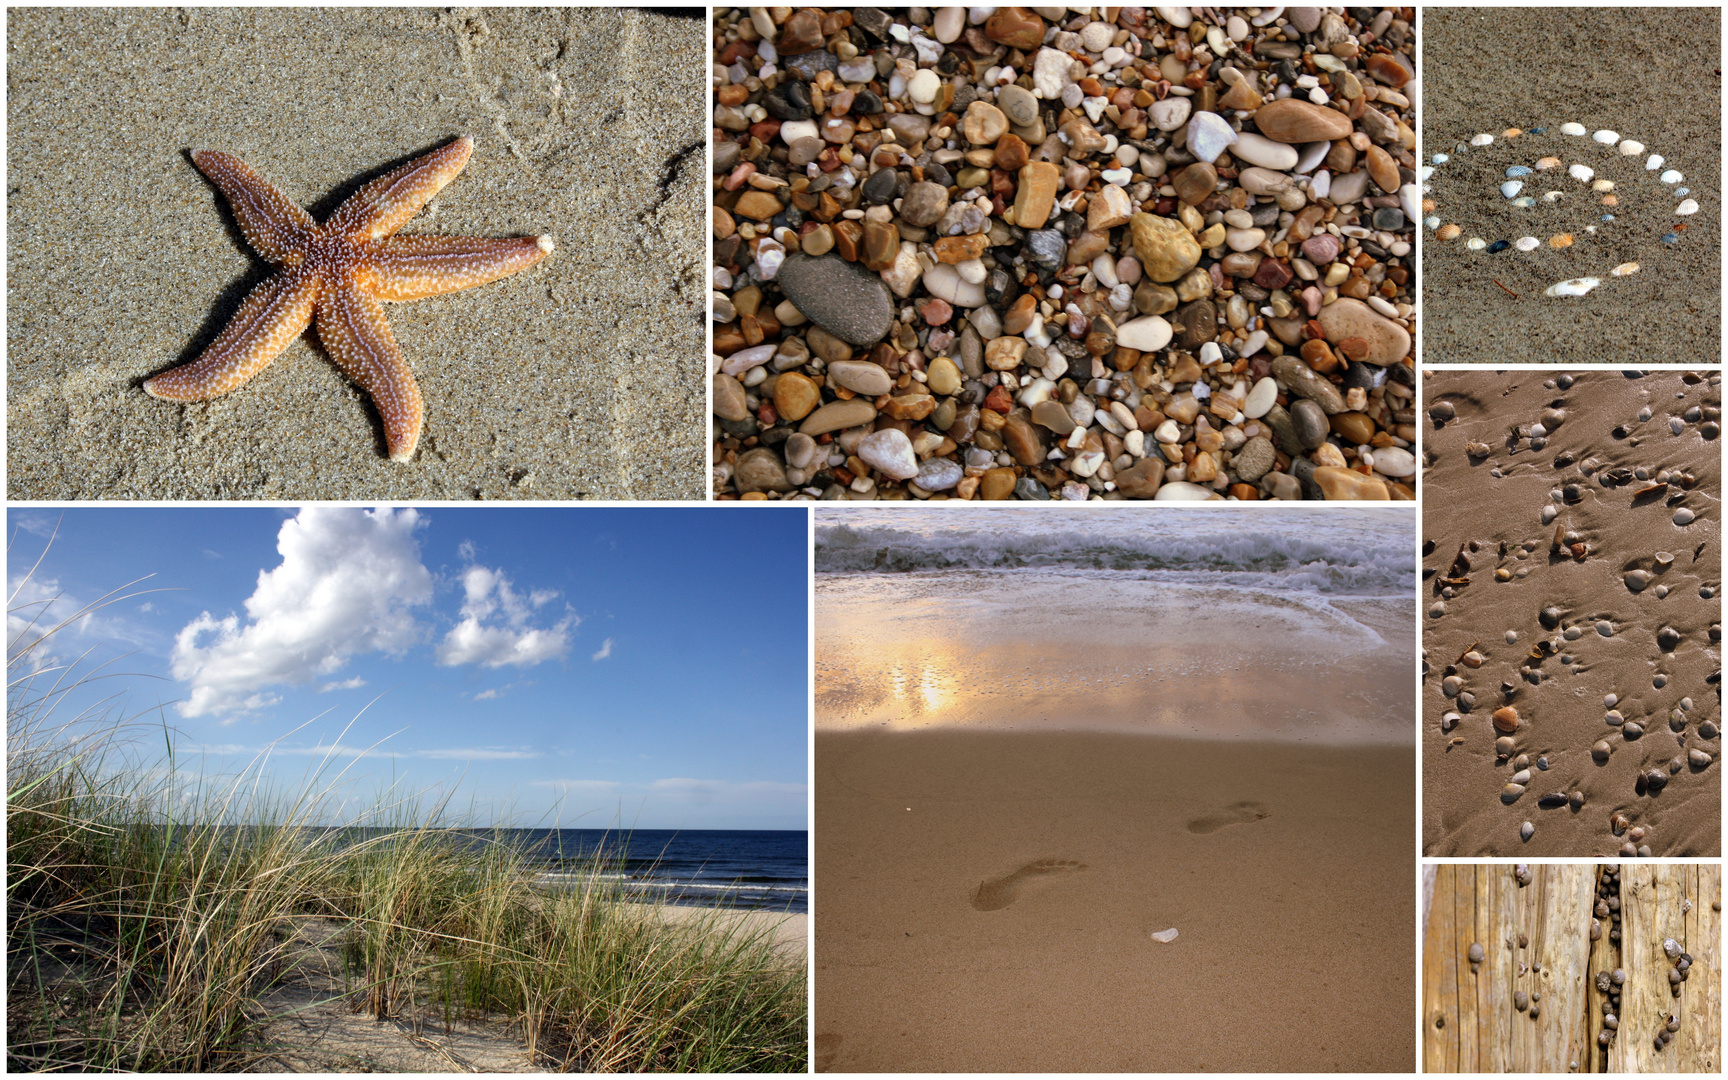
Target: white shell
{"x": 1625, "y": 268}
{"x": 1552, "y": 196}
{"x": 1527, "y": 243}
{"x": 1574, "y": 287}
{"x": 1582, "y": 172}
{"x": 1672, "y": 176}
{"x": 1424, "y": 172}
{"x": 1441, "y": 159}
{"x": 1655, "y": 162}
{"x": 1606, "y": 137}
{"x": 1687, "y": 208}
{"x": 1475, "y": 243}
{"x": 1511, "y": 188}
{"x": 1602, "y": 185}
{"x": 1165, "y": 936}
{"x": 1481, "y": 140}
{"x": 1631, "y": 148}
{"x": 1571, "y": 129}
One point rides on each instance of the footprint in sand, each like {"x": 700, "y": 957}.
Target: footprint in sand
{"x": 1237, "y": 813}
{"x": 998, "y": 894}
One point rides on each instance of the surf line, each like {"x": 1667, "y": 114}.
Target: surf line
{"x": 1513, "y": 187}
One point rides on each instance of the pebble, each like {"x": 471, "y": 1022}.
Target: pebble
{"x": 1026, "y": 251}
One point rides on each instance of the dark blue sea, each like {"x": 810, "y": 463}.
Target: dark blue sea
{"x": 740, "y": 868}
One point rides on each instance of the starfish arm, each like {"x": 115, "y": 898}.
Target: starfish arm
{"x": 412, "y": 267}
{"x": 273, "y": 315}
{"x": 274, "y": 224}
{"x": 387, "y": 203}
{"x": 352, "y": 327}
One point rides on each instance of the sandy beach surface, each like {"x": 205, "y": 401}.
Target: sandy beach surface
{"x": 1284, "y": 869}
{"x": 1611, "y": 662}
{"x": 577, "y": 378}
{"x": 1042, "y": 739}
{"x": 1646, "y": 73}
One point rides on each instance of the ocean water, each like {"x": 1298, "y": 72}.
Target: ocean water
{"x": 1229, "y": 622}
{"x": 734, "y": 868}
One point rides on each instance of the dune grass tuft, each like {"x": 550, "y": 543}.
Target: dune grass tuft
{"x": 150, "y": 908}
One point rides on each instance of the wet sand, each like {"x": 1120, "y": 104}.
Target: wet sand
{"x": 578, "y": 378}
{"x": 985, "y": 901}
{"x": 1667, "y": 685}
{"x": 1649, "y": 74}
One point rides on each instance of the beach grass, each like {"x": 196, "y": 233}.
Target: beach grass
{"x": 150, "y": 910}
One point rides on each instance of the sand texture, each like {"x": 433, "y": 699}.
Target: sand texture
{"x": 1648, "y": 74}
{"x": 578, "y": 378}
{"x": 1580, "y": 529}
{"x": 1532, "y": 1004}
{"x": 986, "y": 902}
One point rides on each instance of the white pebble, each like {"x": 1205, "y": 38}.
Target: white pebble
{"x": 1527, "y": 243}
{"x": 1573, "y": 287}
{"x": 1687, "y": 208}
{"x": 1165, "y": 936}
{"x": 1571, "y": 129}
{"x": 1606, "y": 137}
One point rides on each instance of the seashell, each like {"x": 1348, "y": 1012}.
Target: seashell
{"x": 1511, "y": 188}
{"x": 1506, "y": 718}
{"x": 1503, "y": 746}
{"x": 1478, "y": 449}
{"x": 1582, "y": 173}
{"x": 1563, "y": 240}
{"x": 1527, "y": 243}
{"x": 1552, "y": 802}
{"x": 1607, "y": 200}
{"x": 1571, "y": 129}
{"x": 1511, "y": 793}
{"x": 1606, "y": 137}
{"x": 1165, "y": 936}
{"x": 1476, "y": 953}
{"x": 1524, "y": 201}
{"x": 1673, "y": 977}
{"x": 1553, "y": 196}
{"x": 1672, "y": 176}
{"x": 1656, "y": 780}
{"x": 1603, "y": 1038}
{"x": 1613, "y": 718}
{"x": 1602, "y": 185}
{"x": 1475, "y": 243}
{"x": 1449, "y": 721}
{"x": 1573, "y": 287}
{"x": 1687, "y": 208}
{"x": 1601, "y": 750}
{"x": 1619, "y": 976}
{"x": 1625, "y": 268}
{"x": 1631, "y": 147}
{"x": 1514, "y": 171}
{"x": 1521, "y": 874}
{"x": 1671, "y": 947}
{"x": 1636, "y": 834}
{"x": 1481, "y": 140}
{"x": 1595, "y": 929}
{"x": 1656, "y": 162}
{"x": 1520, "y": 1000}
{"x": 1673, "y": 1022}
{"x": 1440, "y": 159}
{"x": 1548, "y": 163}
{"x": 1632, "y": 730}
{"x": 1526, "y": 830}
{"x": 1699, "y": 758}
{"x": 1447, "y": 232}
{"x": 1576, "y": 800}
{"x": 1473, "y": 658}
{"x": 1522, "y": 776}
{"x": 1603, "y": 982}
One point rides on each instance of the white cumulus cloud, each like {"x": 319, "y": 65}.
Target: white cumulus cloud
{"x": 496, "y": 625}
{"x": 348, "y": 583}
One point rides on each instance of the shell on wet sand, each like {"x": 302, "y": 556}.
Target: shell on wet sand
{"x": 1165, "y": 936}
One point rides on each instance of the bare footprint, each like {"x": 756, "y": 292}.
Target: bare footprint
{"x": 998, "y": 894}
{"x": 1237, "y": 813}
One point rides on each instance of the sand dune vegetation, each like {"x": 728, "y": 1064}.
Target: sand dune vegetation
{"x": 159, "y": 918}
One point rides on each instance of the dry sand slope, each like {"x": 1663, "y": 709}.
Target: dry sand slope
{"x": 1615, "y": 639}
{"x": 1649, "y": 74}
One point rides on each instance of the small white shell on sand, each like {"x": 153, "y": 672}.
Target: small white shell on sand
{"x": 1511, "y": 188}
{"x": 1602, "y": 185}
{"x": 1527, "y": 243}
{"x": 1655, "y": 162}
{"x": 1441, "y": 159}
{"x": 1424, "y": 172}
{"x": 1481, "y": 140}
{"x": 1672, "y": 176}
{"x": 1606, "y": 137}
{"x": 1625, "y": 268}
{"x": 1582, "y": 172}
{"x": 1571, "y": 129}
{"x": 1475, "y": 243}
{"x": 1552, "y": 196}
{"x": 1687, "y": 208}
{"x": 1165, "y": 936}
{"x": 1574, "y": 287}
{"x": 1631, "y": 148}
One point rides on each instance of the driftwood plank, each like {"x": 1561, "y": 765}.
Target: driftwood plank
{"x": 1441, "y": 964}
{"x": 1653, "y": 903}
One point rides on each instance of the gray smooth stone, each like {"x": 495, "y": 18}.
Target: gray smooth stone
{"x": 842, "y": 298}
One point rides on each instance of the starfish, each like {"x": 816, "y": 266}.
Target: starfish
{"x": 339, "y": 272}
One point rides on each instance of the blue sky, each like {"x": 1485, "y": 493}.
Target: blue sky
{"x": 588, "y": 668}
